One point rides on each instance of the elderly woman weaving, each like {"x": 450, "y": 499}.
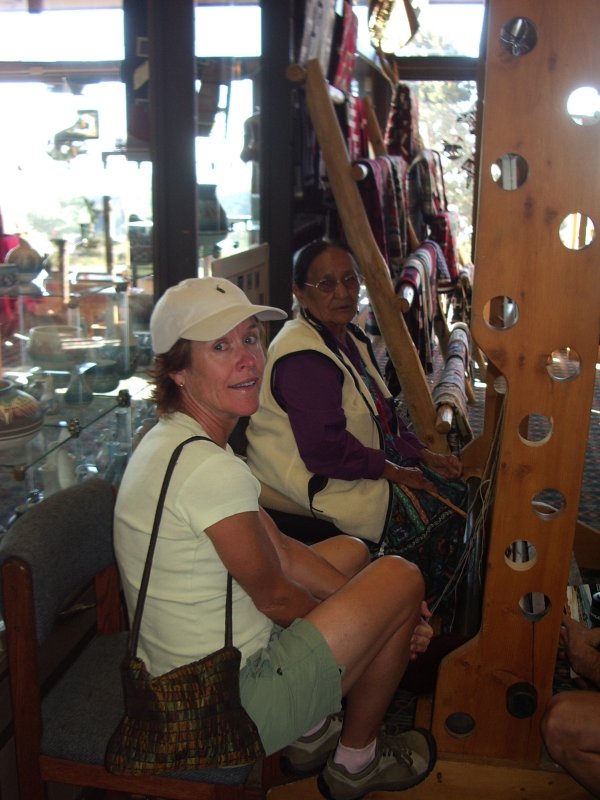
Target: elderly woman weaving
{"x": 327, "y": 435}
{"x": 313, "y": 624}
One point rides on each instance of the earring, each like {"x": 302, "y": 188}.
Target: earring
{"x": 181, "y": 385}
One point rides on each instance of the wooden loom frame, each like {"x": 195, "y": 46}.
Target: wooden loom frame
{"x": 509, "y": 665}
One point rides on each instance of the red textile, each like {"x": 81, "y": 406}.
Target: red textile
{"x": 347, "y": 55}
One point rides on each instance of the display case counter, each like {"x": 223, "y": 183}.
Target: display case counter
{"x": 73, "y": 388}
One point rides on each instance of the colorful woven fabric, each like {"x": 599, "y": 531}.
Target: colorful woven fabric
{"x": 356, "y": 128}
{"x": 381, "y": 192}
{"x": 402, "y": 130}
{"x": 425, "y": 531}
{"x": 188, "y": 719}
{"x": 450, "y": 389}
{"x": 443, "y": 231}
{"x": 347, "y": 52}
{"x": 432, "y": 193}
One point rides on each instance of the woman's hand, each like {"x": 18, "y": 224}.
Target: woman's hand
{"x": 407, "y": 476}
{"x": 422, "y": 633}
{"x": 448, "y": 466}
{"x": 581, "y": 647}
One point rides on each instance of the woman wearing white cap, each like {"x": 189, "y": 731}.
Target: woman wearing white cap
{"x": 313, "y": 624}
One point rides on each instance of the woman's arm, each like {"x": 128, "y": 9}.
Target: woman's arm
{"x": 308, "y": 386}
{"x": 284, "y": 578}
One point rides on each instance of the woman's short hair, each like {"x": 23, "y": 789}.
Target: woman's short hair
{"x": 165, "y": 393}
{"x": 307, "y": 254}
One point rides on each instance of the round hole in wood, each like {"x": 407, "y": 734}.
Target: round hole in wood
{"x": 501, "y": 313}
{"x": 459, "y": 724}
{"x": 577, "y": 231}
{"x": 510, "y": 171}
{"x": 521, "y": 699}
{"x": 535, "y": 429}
{"x": 534, "y": 606}
{"x": 563, "y": 364}
{"x": 583, "y": 106}
{"x": 500, "y": 384}
{"x": 520, "y": 555}
{"x": 548, "y": 503}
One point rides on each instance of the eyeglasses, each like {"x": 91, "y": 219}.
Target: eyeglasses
{"x": 329, "y": 285}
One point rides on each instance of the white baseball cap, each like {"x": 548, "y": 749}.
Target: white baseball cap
{"x": 202, "y": 309}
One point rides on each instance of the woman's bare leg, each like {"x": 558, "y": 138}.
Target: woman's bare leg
{"x": 572, "y": 735}
{"x": 346, "y": 553}
{"x": 369, "y": 624}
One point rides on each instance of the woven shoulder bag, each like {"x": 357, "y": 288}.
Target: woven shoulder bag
{"x": 190, "y": 718}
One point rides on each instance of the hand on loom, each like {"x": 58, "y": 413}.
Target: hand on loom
{"x": 448, "y": 466}
{"x": 407, "y": 476}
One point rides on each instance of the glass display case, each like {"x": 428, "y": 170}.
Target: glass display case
{"x": 73, "y": 389}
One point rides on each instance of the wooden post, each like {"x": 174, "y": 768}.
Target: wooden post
{"x": 492, "y": 692}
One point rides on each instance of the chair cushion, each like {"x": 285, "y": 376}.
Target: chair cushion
{"x": 83, "y": 709}
{"x": 73, "y": 524}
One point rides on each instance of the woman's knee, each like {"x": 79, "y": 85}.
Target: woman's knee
{"x": 556, "y": 722}
{"x": 347, "y": 553}
{"x": 401, "y": 573}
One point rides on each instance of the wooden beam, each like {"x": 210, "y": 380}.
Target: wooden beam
{"x": 400, "y": 346}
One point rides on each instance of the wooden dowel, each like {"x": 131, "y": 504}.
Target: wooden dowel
{"x": 406, "y": 296}
{"x": 359, "y": 172}
{"x": 374, "y": 131}
{"x": 413, "y": 239}
{"x": 295, "y": 73}
{"x": 445, "y": 415}
{"x": 456, "y": 509}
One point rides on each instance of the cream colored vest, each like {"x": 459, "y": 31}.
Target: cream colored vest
{"x": 359, "y": 507}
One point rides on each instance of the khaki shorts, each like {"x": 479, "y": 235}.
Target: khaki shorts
{"x": 291, "y": 684}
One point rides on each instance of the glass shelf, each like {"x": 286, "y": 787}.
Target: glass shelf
{"x": 74, "y": 349}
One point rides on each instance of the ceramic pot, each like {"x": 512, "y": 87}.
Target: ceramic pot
{"x": 21, "y": 416}
{"x": 103, "y": 376}
{"x": 45, "y": 345}
{"x": 28, "y": 264}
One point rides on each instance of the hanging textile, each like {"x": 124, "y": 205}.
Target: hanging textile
{"x": 402, "y": 129}
{"x": 383, "y": 198}
{"x": 419, "y": 271}
{"x": 317, "y": 34}
{"x": 443, "y": 231}
{"x": 430, "y": 182}
{"x": 353, "y": 122}
{"x": 428, "y": 206}
{"x": 344, "y": 71}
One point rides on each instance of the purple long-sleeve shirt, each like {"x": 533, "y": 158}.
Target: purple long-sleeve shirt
{"x": 308, "y": 385}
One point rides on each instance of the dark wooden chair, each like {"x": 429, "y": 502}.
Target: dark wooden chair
{"x": 65, "y": 713}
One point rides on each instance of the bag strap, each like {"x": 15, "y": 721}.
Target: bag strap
{"x": 139, "y": 608}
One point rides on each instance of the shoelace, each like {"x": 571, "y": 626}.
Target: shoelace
{"x": 398, "y": 751}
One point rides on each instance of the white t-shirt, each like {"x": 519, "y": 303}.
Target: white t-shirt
{"x": 184, "y": 612}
